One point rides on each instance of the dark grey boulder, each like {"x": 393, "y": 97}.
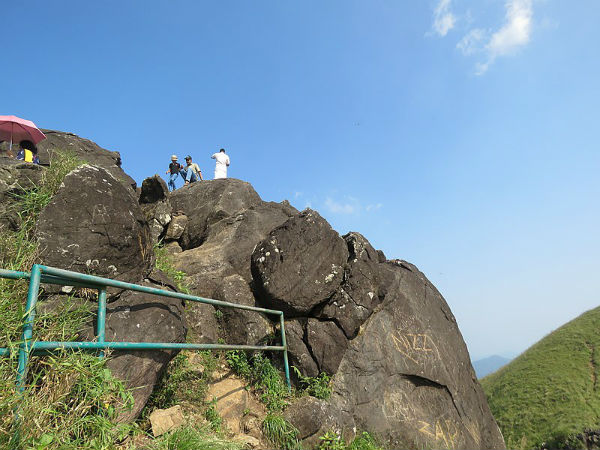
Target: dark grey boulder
{"x": 313, "y": 418}
{"x": 140, "y": 317}
{"x": 406, "y": 377}
{"x": 241, "y": 326}
{"x": 176, "y": 228}
{"x": 361, "y": 289}
{"x": 227, "y": 245}
{"x": 327, "y": 344}
{"x": 298, "y": 352}
{"x": 206, "y": 202}
{"x": 88, "y": 151}
{"x": 203, "y": 325}
{"x": 94, "y": 225}
{"x": 154, "y": 189}
{"x": 300, "y": 264}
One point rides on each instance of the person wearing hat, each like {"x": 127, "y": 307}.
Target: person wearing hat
{"x": 174, "y": 169}
{"x": 191, "y": 172}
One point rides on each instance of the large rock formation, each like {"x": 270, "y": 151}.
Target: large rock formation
{"x": 94, "y": 224}
{"x": 399, "y": 366}
{"x": 88, "y": 151}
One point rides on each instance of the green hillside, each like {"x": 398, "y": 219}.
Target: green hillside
{"x": 551, "y": 392}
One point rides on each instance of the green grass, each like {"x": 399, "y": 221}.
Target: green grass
{"x": 263, "y": 376}
{"x": 552, "y": 391}
{"x": 281, "y": 433}
{"x": 164, "y": 262}
{"x": 190, "y": 438}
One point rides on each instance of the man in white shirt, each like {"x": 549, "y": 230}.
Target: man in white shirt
{"x": 222, "y": 164}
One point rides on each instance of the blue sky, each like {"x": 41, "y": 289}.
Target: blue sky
{"x": 459, "y": 135}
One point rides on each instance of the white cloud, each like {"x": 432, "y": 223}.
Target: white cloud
{"x": 349, "y": 205}
{"x": 516, "y": 31}
{"x": 374, "y": 207}
{"x": 472, "y": 42}
{"x": 340, "y": 208}
{"x": 514, "y": 34}
{"x": 443, "y": 19}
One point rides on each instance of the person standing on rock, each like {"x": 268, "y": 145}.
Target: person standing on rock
{"x": 191, "y": 172}
{"x": 222, "y": 164}
{"x": 174, "y": 168}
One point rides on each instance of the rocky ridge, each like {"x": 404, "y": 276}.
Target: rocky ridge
{"x": 399, "y": 366}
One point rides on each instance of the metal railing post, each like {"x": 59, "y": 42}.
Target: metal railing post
{"x": 101, "y": 326}
{"x": 32, "y": 295}
{"x": 285, "y": 355}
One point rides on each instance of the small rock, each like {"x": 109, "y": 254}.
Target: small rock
{"x": 163, "y": 420}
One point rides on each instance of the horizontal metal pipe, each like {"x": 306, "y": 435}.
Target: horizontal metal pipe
{"x": 99, "y": 281}
{"x": 148, "y": 346}
{"x": 14, "y": 274}
{"x": 50, "y": 279}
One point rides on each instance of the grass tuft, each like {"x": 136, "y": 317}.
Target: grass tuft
{"x": 281, "y": 433}
{"x": 265, "y": 378}
{"x": 189, "y": 438}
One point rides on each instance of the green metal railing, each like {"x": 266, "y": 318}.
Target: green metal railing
{"x": 43, "y": 274}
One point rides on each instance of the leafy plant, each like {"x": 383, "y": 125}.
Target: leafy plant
{"x": 281, "y": 433}
{"x": 316, "y": 386}
{"x": 212, "y": 415}
{"x": 364, "y": 441}
{"x": 331, "y": 441}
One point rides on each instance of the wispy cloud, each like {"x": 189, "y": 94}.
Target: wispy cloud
{"x": 374, "y": 207}
{"x": 347, "y": 207}
{"x": 443, "y": 19}
{"x": 513, "y": 35}
{"x": 472, "y": 42}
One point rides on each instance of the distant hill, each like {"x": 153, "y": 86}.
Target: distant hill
{"x": 489, "y": 365}
{"x": 551, "y": 392}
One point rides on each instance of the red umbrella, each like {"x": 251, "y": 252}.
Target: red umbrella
{"x": 14, "y": 128}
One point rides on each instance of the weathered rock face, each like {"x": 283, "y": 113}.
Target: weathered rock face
{"x": 300, "y": 264}
{"x": 155, "y": 206}
{"x": 313, "y": 418}
{"x": 406, "y": 377}
{"x": 205, "y": 203}
{"x": 223, "y": 220}
{"x": 361, "y": 289}
{"x": 87, "y": 150}
{"x": 241, "y": 326}
{"x": 94, "y": 225}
